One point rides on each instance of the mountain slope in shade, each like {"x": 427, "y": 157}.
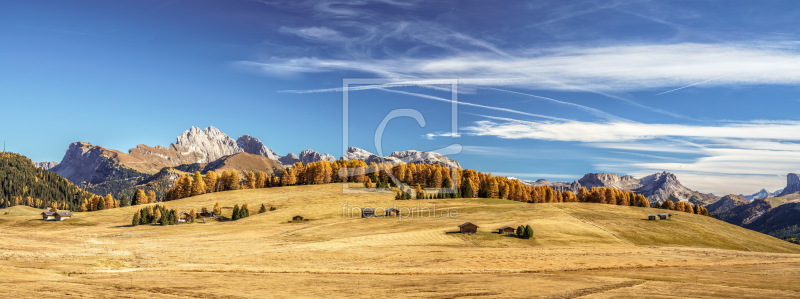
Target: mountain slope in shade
{"x": 244, "y": 162}
{"x": 744, "y": 214}
{"x": 782, "y": 222}
{"x": 252, "y": 145}
{"x": 792, "y": 184}
{"x": 289, "y": 159}
{"x": 726, "y": 203}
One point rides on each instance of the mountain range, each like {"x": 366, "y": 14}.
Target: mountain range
{"x": 657, "y": 187}
{"x": 762, "y": 194}
{"x": 102, "y": 170}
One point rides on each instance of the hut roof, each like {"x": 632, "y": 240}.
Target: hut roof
{"x": 62, "y": 214}
{"x": 505, "y": 227}
{"x": 467, "y": 223}
{"x": 48, "y": 213}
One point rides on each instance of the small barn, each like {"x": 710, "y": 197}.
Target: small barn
{"x": 367, "y": 212}
{"x": 206, "y": 214}
{"x": 392, "y": 212}
{"x": 184, "y": 217}
{"x": 48, "y": 215}
{"x": 664, "y": 216}
{"x": 652, "y": 217}
{"x": 62, "y": 215}
{"x": 468, "y": 228}
{"x": 506, "y": 230}
{"x": 298, "y": 218}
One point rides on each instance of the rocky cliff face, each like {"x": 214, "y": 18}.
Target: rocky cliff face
{"x": 85, "y": 163}
{"x": 417, "y": 157}
{"x": 611, "y": 180}
{"x": 210, "y": 143}
{"x": 252, "y": 145}
{"x": 665, "y": 186}
{"x": 289, "y": 159}
{"x": 46, "y": 165}
{"x": 308, "y": 156}
{"x": 657, "y": 187}
{"x": 792, "y": 184}
{"x": 420, "y": 157}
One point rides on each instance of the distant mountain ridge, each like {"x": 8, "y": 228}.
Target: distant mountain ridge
{"x": 657, "y": 187}
{"x": 103, "y": 170}
{"x": 763, "y": 193}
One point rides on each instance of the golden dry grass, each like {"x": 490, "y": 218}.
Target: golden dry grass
{"x": 579, "y": 250}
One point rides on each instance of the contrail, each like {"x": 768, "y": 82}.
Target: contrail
{"x": 687, "y": 86}
{"x": 424, "y": 96}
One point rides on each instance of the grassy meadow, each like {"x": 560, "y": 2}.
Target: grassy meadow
{"x": 579, "y": 249}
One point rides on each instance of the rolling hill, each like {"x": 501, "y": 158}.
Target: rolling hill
{"x": 577, "y": 248}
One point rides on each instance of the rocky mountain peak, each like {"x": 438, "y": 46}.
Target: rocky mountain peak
{"x": 252, "y": 145}
{"x": 210, "y": 143}
{"x": 421, "y": 157}
{"x": 792, "y": 184}
{"x": 289, "y": 159}
{"x": 46, "y": 165}
{"x": 612, "y": 180}
{"x": 308, "y": 156}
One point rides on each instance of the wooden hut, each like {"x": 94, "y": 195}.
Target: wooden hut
{"x": 468, "y": 228}
{"x": 298, "y": 218}
{"x": 206, "y": 214}
{"x": 367, "y": 212}
{"x": 664, "y": 216}
{"x": 62, "y": 215}
{"x": 652, "y": 217}
{"x": 184, "y": 217}
{"x": 506, "y": 230}
{"x": 392, "y": 212}
{"x": 48, "y": 215}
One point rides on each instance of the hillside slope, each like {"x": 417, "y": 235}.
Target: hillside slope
{"x": 578, "y": 249}
{"x": 22, "y": 182}
{"x": 562, "y": 224}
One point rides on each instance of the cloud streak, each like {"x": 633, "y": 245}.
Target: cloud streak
{"x": 603, "y": 69}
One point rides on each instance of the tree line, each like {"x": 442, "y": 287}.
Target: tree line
{"x": 22, "y": 183}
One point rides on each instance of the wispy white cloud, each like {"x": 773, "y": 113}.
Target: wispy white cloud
{"x": 630, "y": 131}
{"x": 604, "y": 69}
{"x": 713, "y": 158}
{"x": 322, "y": 34}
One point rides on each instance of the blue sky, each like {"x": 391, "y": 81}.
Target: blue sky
{"x": 546, "y": 89}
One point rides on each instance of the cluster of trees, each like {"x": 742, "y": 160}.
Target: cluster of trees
{"x": 156, "y": 214}
{"x": 239, "y": 213}
{"x": 525, "y": 232}
{"x": 197, "y": 184}
{"x": 22, "y": 183}
{"x": 97, "y": 203}
{"x": 682, "y": 207}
